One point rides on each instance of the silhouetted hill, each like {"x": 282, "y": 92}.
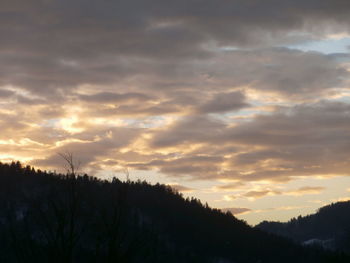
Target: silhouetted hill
{"x": 47, "y": 217}
{"x": 329, "y": 227}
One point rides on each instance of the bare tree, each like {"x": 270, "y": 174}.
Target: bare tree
{"x": 71, "y": 208}
{"x": 71, "y": 165}
{"x": 126, "y": 171}
{"x": 55, "y": 216}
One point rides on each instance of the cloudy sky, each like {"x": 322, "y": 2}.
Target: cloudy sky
{"x": 244, "y": 104}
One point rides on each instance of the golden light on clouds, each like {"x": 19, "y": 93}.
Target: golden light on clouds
{"x": 236, "y": 111}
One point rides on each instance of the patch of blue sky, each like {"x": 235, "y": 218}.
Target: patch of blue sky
{"x": 238, "y": 116}
{"x": 150, "y": 122}
{"x": 246, "y": 114}
{"x": 326, "y": 46}
{"x": 345, "y": 98}
{"x": 229, "y": 48}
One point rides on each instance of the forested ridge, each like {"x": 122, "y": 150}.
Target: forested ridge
{"x": 329, "y": 226}
{"x": 49, "y": 217}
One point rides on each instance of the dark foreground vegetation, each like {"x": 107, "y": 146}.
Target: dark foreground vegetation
{"x": 47, "y": 217}
{"x": 329, "y": 227}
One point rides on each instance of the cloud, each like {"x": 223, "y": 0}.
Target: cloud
{"x": 301, "y": 140}
{"x": 177, "y": 87}
{"x": 292, "y": 141}
{"x": 341, "y": 199}
{"x": 190, "y": 129}
{"x": 237, "y": 210}
{"x": 5, "y": 93}
{"x": 229, "y": 187}
{"x": 306, "y": 190}
{"x": 89, "y": 150}
{"x": 296, "y": 141}
{"x": 110, "y": 97}
{"x": 285, "y": 72}
{"x": 53, "y": 47}
{"x": 242, "y": 211}
{"x": 224, "y": 102}
{"x": 259, "y": 194}
{"x": 135, "y": 110}
{"x": 287, "y": 208}
{"x": 181, "y": 188}
{"x": 198, "y": 166}
{"x": 256, "y": 194}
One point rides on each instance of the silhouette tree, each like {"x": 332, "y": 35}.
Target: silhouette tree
{"x": 43, "y": 220}
{"x": 72, "y": 165}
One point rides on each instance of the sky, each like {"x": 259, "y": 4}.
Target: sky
{"x": 244, "y": 104}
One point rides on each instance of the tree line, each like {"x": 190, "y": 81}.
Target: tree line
{"x": 49, "y": 217}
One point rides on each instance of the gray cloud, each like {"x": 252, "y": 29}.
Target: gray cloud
{"x": 136, "y": 110}
{"x": 306, "y": 190}
{"x": 198, "y": 166}
{"x": 61, "y": 44}
{"x": 259, "y": 194}
{"x": 188, "y": 130}
{"x": 306, "y": 139}
{"x": 110, "y": 97}
{"x": 230, "y": 187}
{"x": 285, "y": 71}
{"x": 5, "y": 93}
{"x": 237, "y": 210}
{"x": 293, "y": 141}
{"x": 256, "y": 194}
{"x": 90, "y": 148}
{"x": 181, "y": 188}
{"x": 224, "y": 102}
{"x": 129, "y": 60}
{"x": 300, "y": 125}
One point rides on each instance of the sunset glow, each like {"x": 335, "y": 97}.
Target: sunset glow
{"x": 246, "y": 110}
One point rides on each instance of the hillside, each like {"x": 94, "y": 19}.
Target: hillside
{"x": 329, "y": 227}
{"x": 47, "y": 217}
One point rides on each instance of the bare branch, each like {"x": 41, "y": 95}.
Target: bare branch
{"x": 126, "y": 171}
{"x": 72, "y": 165}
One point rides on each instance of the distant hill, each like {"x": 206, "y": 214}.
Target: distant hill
{"x": 329, "y": 227}
{"x": 54, "y": 218}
